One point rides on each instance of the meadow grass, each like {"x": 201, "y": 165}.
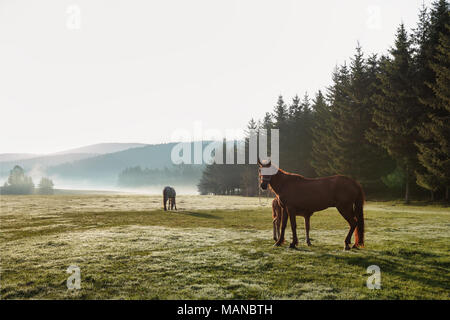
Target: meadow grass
{"x": 214, "y": 248}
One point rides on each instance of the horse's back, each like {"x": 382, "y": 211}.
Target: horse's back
{"x": 346, "y": 189}
{"x": 169, "y": 192}
{"x": 316, "y": 194}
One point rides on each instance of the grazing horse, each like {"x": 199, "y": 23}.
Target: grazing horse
{"x": 297, "y": 195}
{"x": 169, "y": 194}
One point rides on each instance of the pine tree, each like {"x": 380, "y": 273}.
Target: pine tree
{"x": 248, "y": 177}
{"x": 337, "y": 97}
{"x": 376, "y": 161}
{"x": 267, "y": 123}
{"x": 347, "y": 119}
{"x": 295, "y": 108}
{"x": 304, "y": 140}
{"x": 291, "y": 135}
{"x": 434, "y": 146}
{"x": 321, "y": 133}
{"x": 280, "y": 112}
{"x": 422, "y": 56}
{"x": 280, "y": 117}
{"x": 352, "y": 111}
{"x": 397, "y": 110}
{"x": 208, "y": 183}
{"x": 338, "y": 142}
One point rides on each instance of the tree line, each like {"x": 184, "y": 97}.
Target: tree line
{"x": 141, "y": 177}
{"x": 19, "y": 183}
{"x": 384, "y": 120}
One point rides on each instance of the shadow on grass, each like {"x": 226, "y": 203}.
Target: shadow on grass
{"x": 427, "y": 272}
{"x": 198, "y": 214}
{"x": 401, "y": 266}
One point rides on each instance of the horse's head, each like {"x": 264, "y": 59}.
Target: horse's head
{"x": 264, "y": 178}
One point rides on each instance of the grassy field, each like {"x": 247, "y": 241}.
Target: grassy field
{"x": 213, "y": 248}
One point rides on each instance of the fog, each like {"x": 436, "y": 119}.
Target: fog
{"x": 152, "y": 190}
{"x": 68, "y": 186}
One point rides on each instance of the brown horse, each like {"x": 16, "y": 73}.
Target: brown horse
{"x": 297, "y": 195}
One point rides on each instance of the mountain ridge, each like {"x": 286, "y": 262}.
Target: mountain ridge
{"x": 95, "y": 169}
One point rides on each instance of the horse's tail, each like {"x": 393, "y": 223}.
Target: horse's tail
{"x": 359, "y": 231}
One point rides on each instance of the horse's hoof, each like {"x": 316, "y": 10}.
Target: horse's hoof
{"x": 292, "y": 246}
{"x": 308, "y": 243}
{"x": 347, "y": 247}
{"x": 355, "y": 247}
{"x": 277, "y": 244}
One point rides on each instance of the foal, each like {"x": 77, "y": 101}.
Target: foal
{"x": 276, "y": 220}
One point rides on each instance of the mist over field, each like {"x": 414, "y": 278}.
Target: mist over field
{"x": 114, "y": 167}
{"x": 65, "y": 185}
{"x": 74, "y": 186}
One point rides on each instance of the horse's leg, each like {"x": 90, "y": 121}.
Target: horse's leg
{"x": 284, "y": 217}
{"x": 347, "y": 212}
{"x": 307, "y": 218}
{"x": 275, "y": 233}
{"x": 275, "y": 216}
{"x": 293, "y": 221}
{"x": 165, "y": 202}
{"x": 278, "y": 225}
{"x": 175, "y": 203}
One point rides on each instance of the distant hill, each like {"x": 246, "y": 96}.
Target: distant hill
{"x": 5, "y": 157}
{"x": 42, "y": 162}
{"x": 70, "y": 168}
{"x": 102, "y": 148}
{"x": 106, "y": 168}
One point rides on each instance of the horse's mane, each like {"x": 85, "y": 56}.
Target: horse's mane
{"x": 291, "y": 174}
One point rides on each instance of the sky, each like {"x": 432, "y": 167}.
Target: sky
{"x": 80, "y": 72}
